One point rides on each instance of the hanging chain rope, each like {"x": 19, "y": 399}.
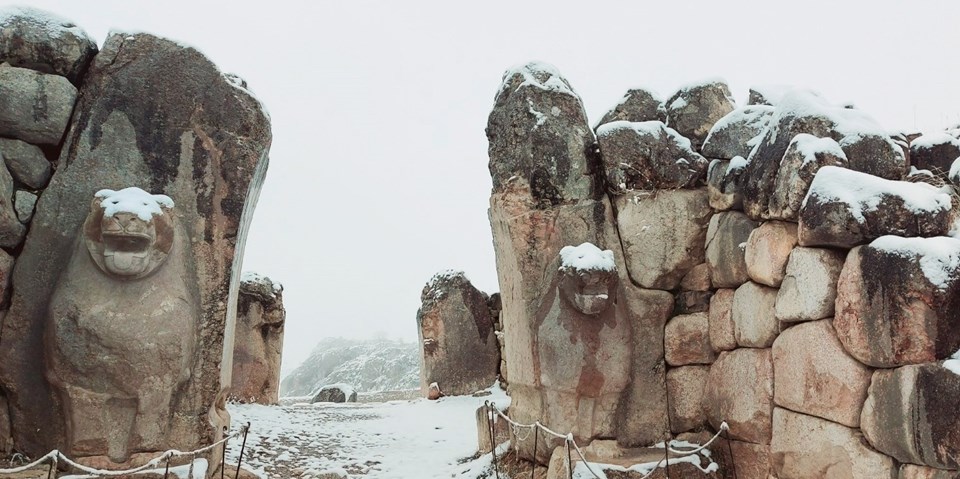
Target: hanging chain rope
{"x": 569, "y": 442}
{"x": 55, "y": 456}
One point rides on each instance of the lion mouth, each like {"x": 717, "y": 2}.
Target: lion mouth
{"x": 126, "y": 252}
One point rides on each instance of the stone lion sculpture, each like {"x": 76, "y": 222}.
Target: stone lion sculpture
{"x": 121, "y": 330}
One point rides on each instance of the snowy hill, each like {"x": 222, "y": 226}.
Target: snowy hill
{"x": 368, "y": 365}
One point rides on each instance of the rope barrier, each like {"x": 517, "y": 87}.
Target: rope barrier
{"x": 569, "y": 440}
{"x": 55, "y": 456}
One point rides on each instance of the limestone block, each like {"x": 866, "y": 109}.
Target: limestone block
{"x": 723, "y": 185}
{"x": 722, "y": 329}
{"x": 935, "y": 152}
{"x": 727, "y": 237}
{"x": 814, "y": 375}
{"x": 687, "y": 340}
{"x": 809, "y": 290}
{"x": 663, "y": 235}
{"x": 26, "y": 162}
{"x": 767, "y": 251}
{"x": 730, "y": 136}
{"x": 805, "y": 155}
{"x": 694, "y": 109}
{"x": 739, "y": 391}
{"x": 809, "y": 447}
{"x": 898, "y": 301}
{"x": 911, "y": 414}
{"x": 36, "y": 39}
{"x": 685, "y": 388}
{"x": 636, "y": 105}
{"x": 648, "y": 156}
{"x": 35, "y": 107}
{"x": 754, "y": 315}
{"x": 697, "y": 279}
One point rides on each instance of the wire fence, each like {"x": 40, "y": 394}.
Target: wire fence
{"x": 570, "y": 444}
{"x": 53, "y": 459}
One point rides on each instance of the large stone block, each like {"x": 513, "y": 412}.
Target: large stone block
{"x": 727, "y": 237}
{"x": 38, "y": 40}
{"x": 636, "y": 105}
{"x": 723, "y": 183}
{"x": 160, "y": 116}
{"x": 935, "y": 152}
{"x": 648, "y": 156}
{"x": 663, "y": 234}
{"x": 34, "y": 107}
{"x": 687, "y": 340}
{"x": 739, "y": 391}
{"x": 26, "y": 162}
{"x": 685, "y": 388}
{"x": 767, "y": 251}
{"x": 809, "y": 289}
{"x": 814, "y": 375}
{"x": 898, "y": 301}
{"x": 695, "y": 108}
{"x": 723, "y": 335}
{"x": 258, "y": 346}
{"x": 458, "y": 347}
{"x": 731, "y": 136}
{"x": 845, "y": 208}
{"x": 754, "y": 315}
{"x": 742, "y": 460}
{"x": 805, "y": 155}
{"x": 911, "y": 414}
{"x": 537, "y": 115}
{"x": 806, "y": 447}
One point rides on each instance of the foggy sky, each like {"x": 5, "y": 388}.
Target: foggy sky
{"x": 378, "y": 175}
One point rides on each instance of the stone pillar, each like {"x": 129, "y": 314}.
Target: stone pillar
{"x": 258, "y": 347}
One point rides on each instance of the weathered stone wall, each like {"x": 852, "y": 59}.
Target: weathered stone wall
{"x": 154, "y": 350}
{"x": 812, "y": 282}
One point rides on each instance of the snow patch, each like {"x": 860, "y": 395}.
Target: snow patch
{"x": 930, "y": 140}
{"x": 809, "y": 146}
{"x": 586, "y": 257}
{"x": 953, "y": 364}
{"x": 847, "y": 122}
{"x": 543, "y": 76}
{"x": 863, "y": 192}
{"x": 51, "y": 24}
{"x": 736, "y": 163}
{"x": 772, "y": 93}
{"x": 655, "y": 128}
{"x": 133, "y": 200}
{"x": 753, "y": 116}
{"x": 939, "y": 257}
{"x": 253, "y": 277}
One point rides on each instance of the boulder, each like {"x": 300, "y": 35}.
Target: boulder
{"x": 687, "y": 340}
{"x": 685, "y": 388}
{"x": 695, "y": 108}
{"x": 754, "y": 315}
{"x": 750, "y": 461}
{"x": 768, "y": 249}
{"x": 637, "y": 105}
{"x": 935, "y": 152}
{"x": 898, "y": 301}
{"x": 805, "y": 155}
{"x": 34, "y": 107}
{"x": 913, "y": 471}
{"x": 722, "y": 329}
{"x": 697, "y": 279}
{"x": 739, "y": 391}
{"x": 538, "y": 115}
{"x": 24, "y": 202}
{"x": 160, "y": 116}
{"x": 809, "y": 447}
{"x": 845, "y": 208}
{"x": 863, "y": 141}
{"x": 723, "y": 183}
{"x": 663, "y": 235}
{"x": 12, "y": 230}
{"x": 814, "y": 375}
{"x": 689, "y": 302}
{"x": 26, "y": 163}
{"x": 809, "y": 289}
{"x": 911, "y": 414}
{"x": 38, "y": 40}
{"x": 648, "y": 156}
{"x": 727, "y": 237}
{"x": 336, "y": 393}
{"x": 457, "y": 339}
{"x": 736, "y": 133}
{"x": 258, "y": 346}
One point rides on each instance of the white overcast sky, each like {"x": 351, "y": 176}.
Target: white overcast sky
{"x": 378, "y": 175}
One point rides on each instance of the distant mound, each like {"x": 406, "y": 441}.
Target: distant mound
{"x": 367, "y": 365}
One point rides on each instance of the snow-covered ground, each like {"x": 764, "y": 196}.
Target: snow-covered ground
{"x": 396, "y": 439}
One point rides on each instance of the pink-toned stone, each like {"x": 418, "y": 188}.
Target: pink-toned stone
{"x": 768, "y": 250}
{"x": 754, "y": 315}
{"x": 739, "y": 391}
{"x": 685, "y": 388}
{"x": 751, "y": 461}
{"x": 722, "y": 330}
{"x": 687, "y": 340}
{"x": 697, "y": 279}
{"x": 913, "y": 471}
{"x": 814, "y": 375}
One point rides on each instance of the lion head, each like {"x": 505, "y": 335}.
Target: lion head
{"x": 129, "y": 232}
{"x": 588, "y": 279}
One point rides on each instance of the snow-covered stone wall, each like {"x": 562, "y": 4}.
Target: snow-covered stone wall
{"x": 805, "y": 253}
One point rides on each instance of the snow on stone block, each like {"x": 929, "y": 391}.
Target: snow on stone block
{"x": 911, "y": 414}
{"x": 648, "y": 156}
{"x": 844, "y": 208}
{"x": 805, "y": 155}
{"x": 898, "y": 301}
{"x": 586, "y": 257}
{"x": 637, "y": 105}
{"x": 39, "y": 40}
{"x": 695, "y": 108}
{"x": 767, "y": 94}
{"x": 737, "y": 133}
{"x": 133, "y": 200}
{"x": 337, "y": 393}
{"x": 935, "y": 152}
